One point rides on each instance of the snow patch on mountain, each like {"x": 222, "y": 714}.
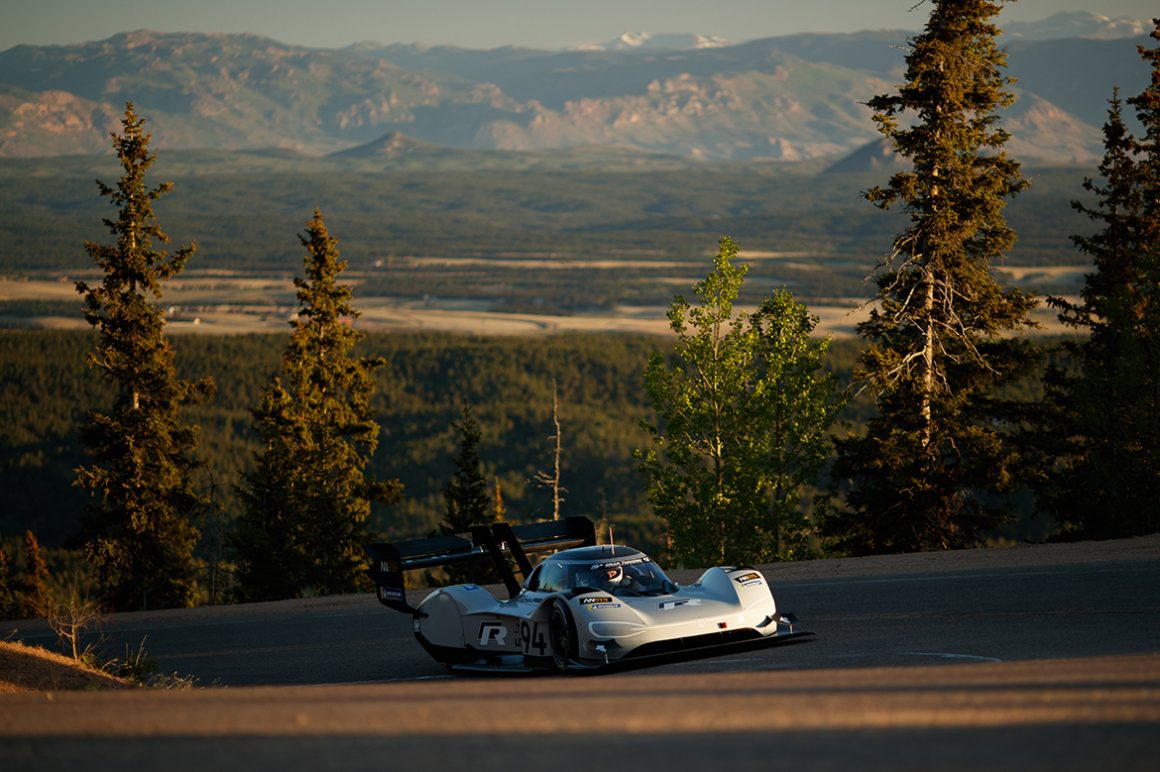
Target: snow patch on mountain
{"x": 1078, "y": 24}
{"x": 647, "y": 41}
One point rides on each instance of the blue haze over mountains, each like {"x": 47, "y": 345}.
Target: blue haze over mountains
{"x": 782, "y": 99}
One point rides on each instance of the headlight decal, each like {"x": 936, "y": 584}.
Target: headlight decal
{"x": 615, "y": 629}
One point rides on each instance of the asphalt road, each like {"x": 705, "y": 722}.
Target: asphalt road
{"x": 1044, "y": 658}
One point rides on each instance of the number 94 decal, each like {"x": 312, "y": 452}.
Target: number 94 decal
{"x": 531, "y": 637}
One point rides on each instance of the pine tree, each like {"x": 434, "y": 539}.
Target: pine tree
{"x": 467, "y": 502}
{"x": 1103, "y": 421}
{"x": 140, "y": 533}
{"x": 939, "y": 339}
{"x": 466, "y": 494}
{"x": 307, "y": 501}
{"x": 744, "y": 420}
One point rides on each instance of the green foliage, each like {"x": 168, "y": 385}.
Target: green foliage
{"x": 45, "y": 392}
{"x": 307, "y": 502}
{"x": 467, "y": 501}
{"x": 509, "y": 380}
{"x": 744, "y": 421}
{"x": 938, "y": 338}
{"x": 466, "y": 493}
{"x": 141, "y": 532}
{"x": 1102, "y": 418}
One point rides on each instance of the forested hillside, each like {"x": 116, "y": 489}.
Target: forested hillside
{"x": 45, "y": 391}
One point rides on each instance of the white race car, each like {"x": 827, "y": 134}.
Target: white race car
{"x": 587, "y": 606}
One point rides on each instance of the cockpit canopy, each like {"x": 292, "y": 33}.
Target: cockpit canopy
{"x": 609, "y": 568}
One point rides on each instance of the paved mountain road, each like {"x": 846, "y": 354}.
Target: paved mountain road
{"x": 1045, "y": 657}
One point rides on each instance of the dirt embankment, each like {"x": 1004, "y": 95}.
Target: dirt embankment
{"x": 29, "y": 668}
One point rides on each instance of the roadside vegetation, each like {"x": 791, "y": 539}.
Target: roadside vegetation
{"x": 33, "y": 668}
{"x": 745, "y": 413}
{"x": 61, "y": 587}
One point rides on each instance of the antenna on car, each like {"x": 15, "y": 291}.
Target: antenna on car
{"x": 611, "y": 541}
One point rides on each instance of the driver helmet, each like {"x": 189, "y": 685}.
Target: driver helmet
{"x": 612, "y": 575}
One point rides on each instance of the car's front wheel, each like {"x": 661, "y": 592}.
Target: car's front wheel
{"x": 563, "y": 636}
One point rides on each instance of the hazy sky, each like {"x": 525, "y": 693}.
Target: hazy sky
{"x": 486, "y": 23}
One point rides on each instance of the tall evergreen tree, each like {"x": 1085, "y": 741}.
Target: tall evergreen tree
{"x": 467, "y": 502}
{"x": 744, "y": 425}
{"x": 466, "y": 494}
{"x": 938, "y": 336}
{"x": 1104, "y": 417}
{"x": 307, "y": 501}
{"x": 141, "y": 531}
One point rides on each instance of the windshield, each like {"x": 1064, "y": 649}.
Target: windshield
{"x": 633, "y": 576}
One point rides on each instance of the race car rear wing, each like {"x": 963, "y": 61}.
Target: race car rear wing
{"x": 497, "y": 542}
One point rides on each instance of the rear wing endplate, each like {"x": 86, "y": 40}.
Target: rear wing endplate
{"x": 497, "y": 542}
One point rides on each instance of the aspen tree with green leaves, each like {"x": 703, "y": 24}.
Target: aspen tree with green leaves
{"x": 1101, "y": 425}
{"x": 140, "y": 531}
{"x": 940, "y": 336}
{"x": 744, "y": 413}
{"x": 307, "y": 501}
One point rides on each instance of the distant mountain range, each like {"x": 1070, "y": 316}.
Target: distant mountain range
{"x": 790, "y": 98}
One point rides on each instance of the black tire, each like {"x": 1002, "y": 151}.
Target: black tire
{"x": 563, "y": 636}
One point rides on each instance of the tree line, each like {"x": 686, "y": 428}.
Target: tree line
{"x": 743, "y": 422}
{"x": 507, "y": 382}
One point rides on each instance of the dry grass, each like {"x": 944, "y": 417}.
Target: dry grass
{"x": 33, "y": 669}
{"x": 228, "y": 305}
